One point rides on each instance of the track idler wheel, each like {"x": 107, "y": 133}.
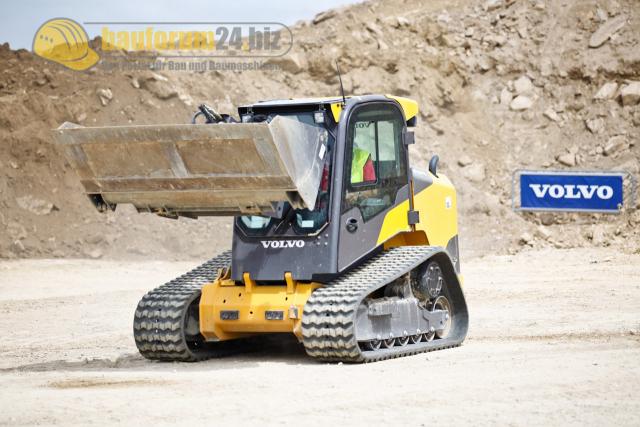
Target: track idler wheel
{"x": 442, "y": 303}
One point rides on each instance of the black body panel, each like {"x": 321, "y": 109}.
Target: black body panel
{"x": 304, "y": 257}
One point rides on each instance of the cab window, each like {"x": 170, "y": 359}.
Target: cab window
{"x": 255, "y": 225}
{"x": 300, "y": 221}
{"x": 376, "y": 159}
{"x": 364, "y": 153}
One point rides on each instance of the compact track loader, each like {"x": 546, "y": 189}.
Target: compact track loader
{"x": 336, "y": 239}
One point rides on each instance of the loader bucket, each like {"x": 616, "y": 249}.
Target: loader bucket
{"x": 201, "y": 169}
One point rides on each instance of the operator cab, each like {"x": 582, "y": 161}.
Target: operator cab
{"x": 378, "y": 163}
{"x": 365, "y": 176}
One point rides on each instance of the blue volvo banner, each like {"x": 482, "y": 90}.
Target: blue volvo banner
{"x": 571, "y": 191}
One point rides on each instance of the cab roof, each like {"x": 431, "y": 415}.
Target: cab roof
{"x": 409, "y": 106}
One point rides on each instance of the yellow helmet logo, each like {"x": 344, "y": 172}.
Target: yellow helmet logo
{"x": 64, "y": 41}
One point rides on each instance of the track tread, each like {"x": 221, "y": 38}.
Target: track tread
{"x": 328, "y": 321}
{"x": 159, "y": 318}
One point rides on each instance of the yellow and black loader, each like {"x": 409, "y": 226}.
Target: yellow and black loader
{"x": 336, "y": 239}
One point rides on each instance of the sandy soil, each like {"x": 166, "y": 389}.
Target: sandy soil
{"x": 554, "y": 339}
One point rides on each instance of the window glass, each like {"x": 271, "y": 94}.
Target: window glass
{"x": 310, "y": 221}
{"x": 392, "y": 160}
{"x": 301, "y": 221}
{"x": 377, "y": 159}
{"x": 255, "y": 223}
{"x": 364, "y": 152}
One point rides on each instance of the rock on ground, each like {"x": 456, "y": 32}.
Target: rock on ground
{"x": 34, "y": 205}
{"x": 615, "y": 145}
{"x": 324, "y": 16}
{"x": 520, "y": 103}
{"x": 567, "y": 159}
{"x": 523, "y": 85}
{"x": 464, "y": 160}
{"x": 475, "y": 172}
{"x": 595, "y": 125}
{"x": 551, "y": 114}
{"x": 505, "y": 97}
{"x": 606, "y": 30}
{"x": 105, "y": 96}
{"x": 607, "y": 91}
{"x": 293, "y": 63}
{"x": 630, "y": 94}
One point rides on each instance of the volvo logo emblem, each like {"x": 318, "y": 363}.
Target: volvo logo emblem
{"x": 282, "y": 244}
{"x": 568, "y": 191}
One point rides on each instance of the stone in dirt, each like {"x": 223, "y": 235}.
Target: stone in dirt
{"x": 293, "y": 63}
{"x": 526, "y": 238}
{"x": 539, "y": 5}
{"x": 567, "y": 159}
{"x": 150, "y": 75}
{"x": 606, "y": 30}
{"x": 630, "y": 94}
{"x": 595, "y": 125}
{"x": 546, "y": 67}
{"x": 105, "y": 96}
{"x": 475, "y": 172}
{"x": 543, "y": 232}
{"x": 607, "y": 91}
{"x": 551, "y": 114}
{"x": 401, "y": 21}
{"x": 495, "y": 39}
{"x": 93, "y": 253}
{"x": 324, "y": 16}
{"x": 505, "y": 96}
{"x": 485, "y": 63}
{"x": 522, "y": 32}
{"x": 157, "y": 84}
{"x": 464, "y": 160}
{"x": 161, "y": 89}
{"x": 523, "y": 85}
{"x": 373, "y": 28}
{"x": 615, "y": 145}
{"x": 520, "y": 103}
{"x": 35, "y": 206}
{"x": 493, "y": 5}
{"x": 547, "y": 218}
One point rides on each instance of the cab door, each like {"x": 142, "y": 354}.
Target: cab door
{"x": 375, "y": 179}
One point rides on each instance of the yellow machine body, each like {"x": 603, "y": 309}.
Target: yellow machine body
{"x": 246, "y": 308}
{"x": 250, "y": 302}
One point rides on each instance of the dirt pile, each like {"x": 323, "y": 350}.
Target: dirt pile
{"x": 502, "y": 85}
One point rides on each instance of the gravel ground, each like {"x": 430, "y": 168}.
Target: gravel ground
{"x": 554, "y": 339}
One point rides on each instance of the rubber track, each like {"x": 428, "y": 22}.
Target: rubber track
{"x": 159, "y": 319}
{"x": 328, "y": 321}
